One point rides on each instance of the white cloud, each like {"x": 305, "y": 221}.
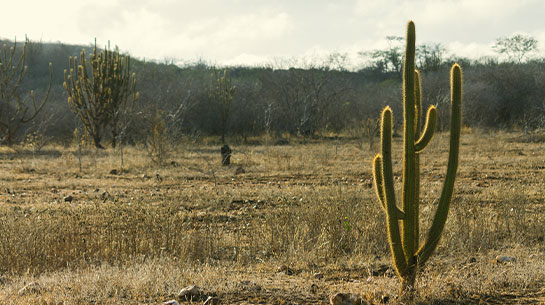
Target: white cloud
{"x": 245, "y": 59}
{"x": 470, "y": 50}
{"x": 230, "y": 31}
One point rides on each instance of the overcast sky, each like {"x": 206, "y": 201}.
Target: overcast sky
{"x": 258, "y": 31}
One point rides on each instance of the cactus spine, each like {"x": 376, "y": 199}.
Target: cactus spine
{"x": 407, "y": 251}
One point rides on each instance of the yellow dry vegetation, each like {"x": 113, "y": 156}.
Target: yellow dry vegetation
{"x": 139, "y": 236}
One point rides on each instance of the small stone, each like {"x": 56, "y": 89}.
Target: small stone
{"x": 30, "y": 288}
{"x": 249, "y": 286}
{"x": 4, "y": 280}
{"x": 505, "y": 259}
{"x": 347, "y": 299}
{"x": 113, "y": 172}
{"x": 68, "y": 198}
{"x": 285, "y": 269}
{"x": 212, "y": 301}
{"x": 188, "y": 293}
{"x": 105, "y": 196}
{"x": 318, "y": 276}
{"x": 381, "y": 270}
{"x": 171, "y": 302}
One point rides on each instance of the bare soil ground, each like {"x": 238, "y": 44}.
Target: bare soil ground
{"x": 290, "y": 224}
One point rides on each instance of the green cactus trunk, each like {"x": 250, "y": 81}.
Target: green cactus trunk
{"x": 407, "y": 252}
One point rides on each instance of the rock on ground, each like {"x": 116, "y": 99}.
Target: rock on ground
{"x": 347, "y": 299}
{"x": 189, "y": 293}
{"x": 212, "y": 301}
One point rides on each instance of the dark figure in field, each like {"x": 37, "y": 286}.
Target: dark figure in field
{"x": 225, "y": 155}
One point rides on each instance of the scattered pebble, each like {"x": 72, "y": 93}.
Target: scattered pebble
{"x": 313, "y": 288}
{"x": 212, "y": 301}
{"x": 505, "y": 259}
{"x": 189, "y": 293}
{"x": 30, "y": 288}
{"x": 347, "y": 299}
{"x": 285, "y": 269}
{"x": 249, "y": 286}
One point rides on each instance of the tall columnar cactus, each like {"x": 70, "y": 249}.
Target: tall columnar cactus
{"x": 403, "y": 221}
{"x": 98, "y": 97}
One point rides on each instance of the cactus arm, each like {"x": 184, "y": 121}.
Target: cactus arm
{"x": 429, "y": 129}
{"x": 377, "y": 177}
{"x": 408, "y": 189}
{"x": 440, "y": 217}
{"x": 389, "y": 194}
{"x": 379, "y": 185}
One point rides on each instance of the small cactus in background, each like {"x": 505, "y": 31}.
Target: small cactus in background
{"x": 403, "y": 221}
{"x": 99, "y": 96}
{"x": 157, "y": 142}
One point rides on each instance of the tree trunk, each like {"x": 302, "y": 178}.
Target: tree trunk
{"x": 115, "y": 135}
{"x": 96, "y": 140}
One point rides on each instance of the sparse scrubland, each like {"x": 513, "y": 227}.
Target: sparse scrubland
{"x": 294, "y": 219}
{"x": 290, "y": 224}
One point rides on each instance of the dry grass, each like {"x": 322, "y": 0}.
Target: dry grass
{"x": 139, "y": 236}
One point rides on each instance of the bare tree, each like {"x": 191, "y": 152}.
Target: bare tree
{"x": 390, "y": 59}
{"x": 430, "y": 56}
{"x": 516, "y": 47}
{"x": 338, "y": 61}
{"x": 16, "y": 109}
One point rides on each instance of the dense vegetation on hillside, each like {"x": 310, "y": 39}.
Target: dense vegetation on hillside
{"x": 315, "y": 99}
